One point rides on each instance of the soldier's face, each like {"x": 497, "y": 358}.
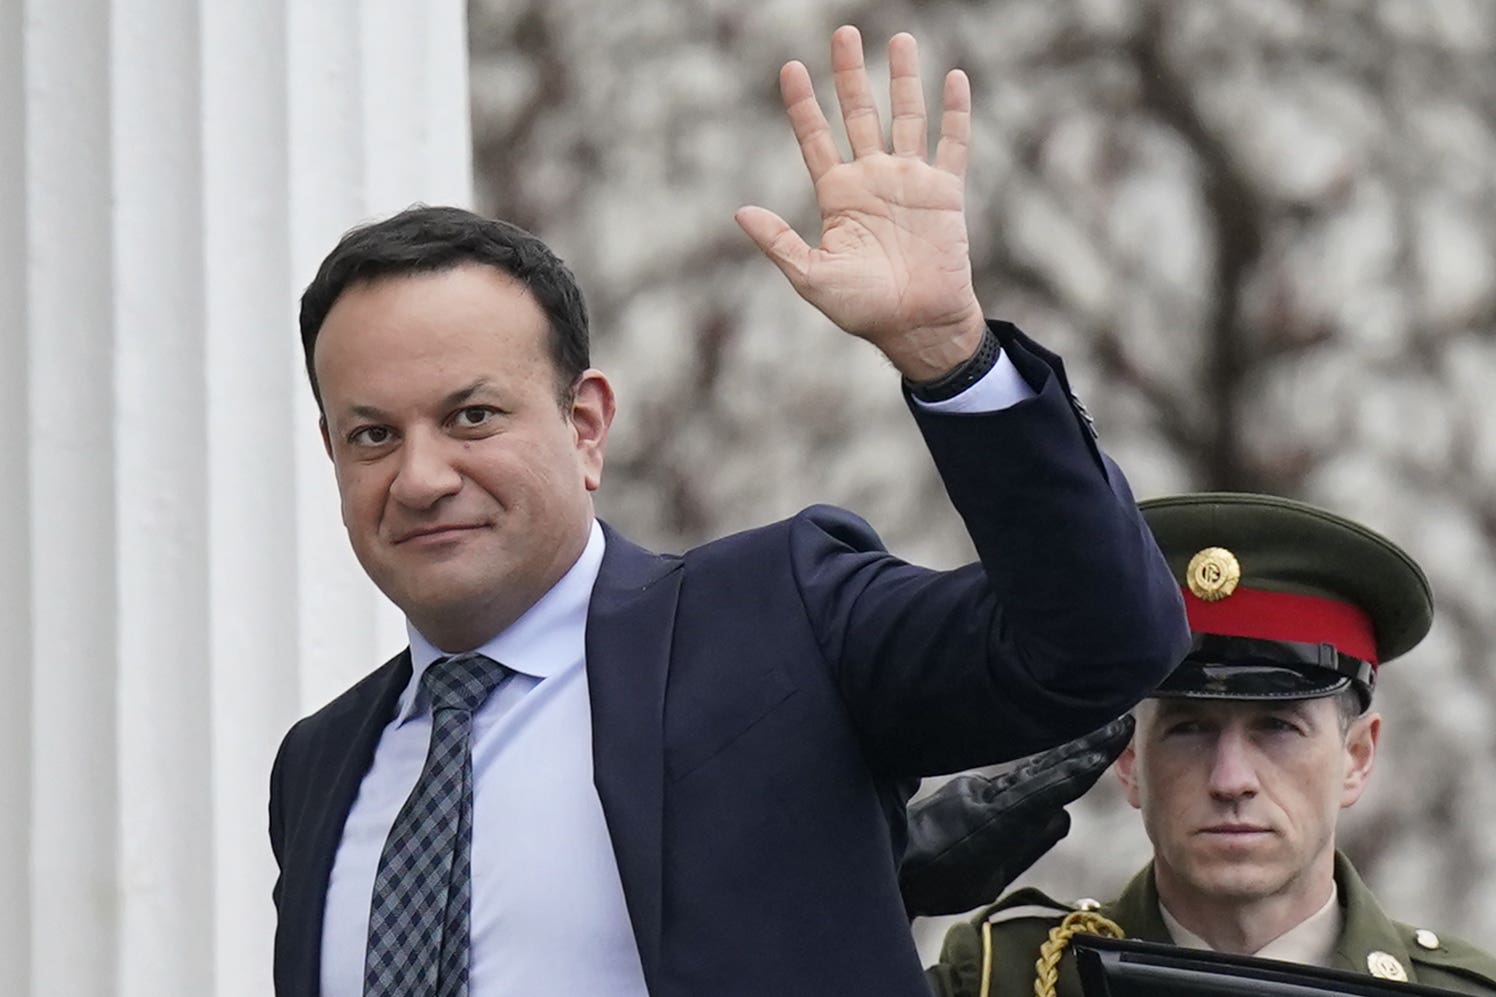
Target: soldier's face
{"x": 1240, "y": 799}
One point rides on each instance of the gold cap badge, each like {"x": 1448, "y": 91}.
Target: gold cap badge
{"x": 1213, "y": 573}
{"x": 1385, "y": 966}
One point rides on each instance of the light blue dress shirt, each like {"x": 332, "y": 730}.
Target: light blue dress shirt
{"x": 548, "y": 914}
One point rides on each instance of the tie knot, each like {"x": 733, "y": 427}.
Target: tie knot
{"x": 462, "y": 682}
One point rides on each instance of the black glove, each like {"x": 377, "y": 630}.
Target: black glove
{"x": 975, "y": 835}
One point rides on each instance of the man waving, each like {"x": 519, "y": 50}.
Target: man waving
{"x": 601, "y": 770}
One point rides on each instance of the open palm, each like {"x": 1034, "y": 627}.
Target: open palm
{"x": 893, "y": 264}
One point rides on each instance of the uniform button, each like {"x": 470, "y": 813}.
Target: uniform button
{"x": 1426, "y": 938}
{"x": 1087, "y": 903}
{"x": 1384, "y": 966}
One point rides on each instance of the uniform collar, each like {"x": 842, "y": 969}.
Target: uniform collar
{"x": 1137, "y": 909}
{"x": 1368, "y": 929}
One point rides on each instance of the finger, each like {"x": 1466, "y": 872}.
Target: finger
{"x": 777, "y": 240}
{"x": 1114, "y": 738}
{"x": 909, "y": 130}
{"x": 955, "y": 124}
{"x": 859, "y": 113}
{"x": 1063, "y": 780}
{"x": 1105, "y": 742}
{"x": 817, "y": 144}
{"x": 1111, "y": 737}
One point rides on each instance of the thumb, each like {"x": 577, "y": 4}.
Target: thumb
{"x": 778, "y": 242}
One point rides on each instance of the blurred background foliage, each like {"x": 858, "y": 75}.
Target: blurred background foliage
{"x": 1262, "y": 232}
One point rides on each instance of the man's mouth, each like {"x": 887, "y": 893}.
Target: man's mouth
{"x": 436, "y": 533}
{"x": 1228, "y": 829}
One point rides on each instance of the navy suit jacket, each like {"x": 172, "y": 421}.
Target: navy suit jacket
{"x": 762, "y": 706}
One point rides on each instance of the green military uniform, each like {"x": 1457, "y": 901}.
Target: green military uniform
{"x": 1370, "y": 942}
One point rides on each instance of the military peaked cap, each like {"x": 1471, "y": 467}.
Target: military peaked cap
{"x": 1285, "y": 600}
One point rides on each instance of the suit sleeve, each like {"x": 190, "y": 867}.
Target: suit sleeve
{"x": 1070, "y": 618}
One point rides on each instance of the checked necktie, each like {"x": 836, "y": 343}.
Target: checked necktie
{"x": 418, "y": 919}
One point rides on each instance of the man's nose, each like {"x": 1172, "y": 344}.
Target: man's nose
{"x": 426, "y": 473}
{"x": 1233, "y": 773}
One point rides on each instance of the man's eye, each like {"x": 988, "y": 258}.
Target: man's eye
{"x": 370, "y": 436}
{"x": 473, "y": 416}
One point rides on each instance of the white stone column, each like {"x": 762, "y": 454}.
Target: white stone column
{"x": 16, "y": 651}
{"x": 68, "y": 257}
{"x": 176, "y": 587}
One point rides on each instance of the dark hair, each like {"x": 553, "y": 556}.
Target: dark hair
{"x": 423, "y": 239}
{"x": 1350, "y": 707}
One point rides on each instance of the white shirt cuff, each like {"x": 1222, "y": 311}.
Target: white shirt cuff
{"x": 1000, "y": 388}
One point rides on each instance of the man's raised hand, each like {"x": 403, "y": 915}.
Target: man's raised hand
{"x": 893, "y": 265}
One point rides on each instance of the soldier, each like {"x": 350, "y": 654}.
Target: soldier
{"x": 1241, "y": 763}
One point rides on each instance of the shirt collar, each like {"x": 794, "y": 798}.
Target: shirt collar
{"x": 1311, "y": 942}
{"x": 550, "y": 635}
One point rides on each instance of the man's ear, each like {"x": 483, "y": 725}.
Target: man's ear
{"x": 592, "y": 408}
{"x": 1360, "y": 756}
{"x": 1126, "y": 767}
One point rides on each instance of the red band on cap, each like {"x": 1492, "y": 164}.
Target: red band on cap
{"x": 1308, "y": 619}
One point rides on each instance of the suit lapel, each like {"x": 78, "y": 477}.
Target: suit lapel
{"x": 630, "y": 623}
{"x": 342, "y": 758}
